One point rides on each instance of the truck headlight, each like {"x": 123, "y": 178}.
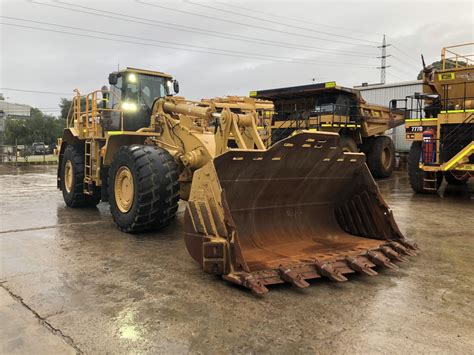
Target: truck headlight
{"x": 132, "y": 78}
{"x": 129, "y": 106}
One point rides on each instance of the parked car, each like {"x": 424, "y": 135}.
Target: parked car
{"x": 38, "y": 148}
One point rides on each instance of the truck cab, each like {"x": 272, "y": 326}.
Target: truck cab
{"x": 133, "y": 91}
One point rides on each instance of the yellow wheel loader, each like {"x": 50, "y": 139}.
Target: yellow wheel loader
{"x": 299, "y": 210}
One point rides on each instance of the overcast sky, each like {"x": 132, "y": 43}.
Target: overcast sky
{"x": 262, "y": 44}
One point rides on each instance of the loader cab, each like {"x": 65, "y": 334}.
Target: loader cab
{"x": 134, "y": 92}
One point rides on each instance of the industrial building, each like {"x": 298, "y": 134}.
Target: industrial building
{"x": 12, "y": 110}
{"x": 381, "y": 94}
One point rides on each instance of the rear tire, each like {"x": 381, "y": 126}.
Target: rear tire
{"x": 452, "y": 179}
{"x": 381, "y": 157}
{"x": 415, "y": 174}
{"x": 72, "y": 179}
{"x": 143, "y": 188}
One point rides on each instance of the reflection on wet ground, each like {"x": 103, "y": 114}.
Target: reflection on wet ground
{"x": 114, "y": 292}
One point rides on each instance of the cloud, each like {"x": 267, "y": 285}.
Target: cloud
{"x": 49, "y": 61}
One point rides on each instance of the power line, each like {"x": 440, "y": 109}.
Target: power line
{"x": 148, "y": 39}
{"x": 280, "y": 23}
{"x": 403, "y": 71}
{"x": 417, "y": 61}
{"x": 249, "y": 25}
{"x": 250, "y": 55}
{"x": 406, "y": 63}
{"x": 396, "y": 76}
{"x": 167, "y": 25}
{"x": 36, "y": 91}
{"x": 299, "y": 20}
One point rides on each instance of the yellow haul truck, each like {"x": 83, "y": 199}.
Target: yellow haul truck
{"x": 332, "y": 108}
{"x": 300, "y": 209}
{"x": 440, "y": 122}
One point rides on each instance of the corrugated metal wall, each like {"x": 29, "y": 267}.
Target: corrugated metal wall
{"x": 382, "y": 94}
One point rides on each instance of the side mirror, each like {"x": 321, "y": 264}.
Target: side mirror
{"x": 176, "y": 86}
{"x": 113, "y": 78}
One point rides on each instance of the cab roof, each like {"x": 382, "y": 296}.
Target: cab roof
{"x": 145, "y": 72}
{"x": 302, "y": 91}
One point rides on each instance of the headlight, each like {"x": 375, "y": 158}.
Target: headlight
{"x": 132, "y": 78}
{"x": 129, "y": 106}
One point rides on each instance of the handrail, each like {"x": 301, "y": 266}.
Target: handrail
{"x": 91, "y": 108}
{"x": 456, "y": 57}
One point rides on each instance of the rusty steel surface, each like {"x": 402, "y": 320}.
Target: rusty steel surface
{"x": 300, "y": 210}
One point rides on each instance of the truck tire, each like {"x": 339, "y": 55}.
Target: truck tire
{"x": 381, "y": 157}
{"x": 143, "y": 188}
{"x": 415, "y": 174}
{"x": 72, "y": 179}
{"x": 348, "y": 144}
{"x": 453, "y": 179}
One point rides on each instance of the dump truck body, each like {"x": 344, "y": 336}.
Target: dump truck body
{"x": 332, "y": 108}
{"x": 440, "y": 122}
{"x": 301, "y": 209}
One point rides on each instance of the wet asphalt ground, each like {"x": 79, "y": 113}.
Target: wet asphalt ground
{"x": 70, "y": 282}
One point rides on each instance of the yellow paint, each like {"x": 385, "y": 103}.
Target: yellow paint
{"x": 115, "y": 133}
{"x": 462, "y": 154}
{"x": 330, "y": 84}
{"x": 446, "y": 76}
{"x": 422, "y": 119}
{"x": 253, "y": 93}
{"x": 457, "y": 111}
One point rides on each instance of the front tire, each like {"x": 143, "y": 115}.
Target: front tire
{"x": 143, "y": 188}
{"x": 381, "y": 157}
{"x": 72, "y": 179}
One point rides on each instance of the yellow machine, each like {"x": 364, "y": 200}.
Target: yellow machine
{"x": 301, "y": 209}
{"x": 440, "y": 122}
{"x": 332, "y": 108}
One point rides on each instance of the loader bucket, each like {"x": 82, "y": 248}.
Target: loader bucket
{"x": 302, "y": 209}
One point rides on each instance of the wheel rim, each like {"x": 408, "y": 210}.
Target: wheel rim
{"x": 68, "y": 176}
{"x": 386, "y": 158}
{"x": 124, "y": 189}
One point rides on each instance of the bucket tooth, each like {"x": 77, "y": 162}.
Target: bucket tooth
{"x": 249, "y": 281}
{"x": 359, "y": 266}
{"x": 392, "y": 254}
{"x": 327, "y": 270}
{"x": 380, "y": 259}
{"x": 401, "y": 249}
{"x": 292, "y": 277}
{"x": 409, "y": 244}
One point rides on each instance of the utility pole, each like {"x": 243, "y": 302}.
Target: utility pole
{"x": 383, "y": 60}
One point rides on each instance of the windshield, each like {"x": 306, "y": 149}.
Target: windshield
{"x": 325, "y": 104}
{"x": 144, "y": 89}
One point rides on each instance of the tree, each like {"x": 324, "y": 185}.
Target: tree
{"x": 36, "y": 128}
{"x": 439, "y": 64}
{"x": 65, "y": 105}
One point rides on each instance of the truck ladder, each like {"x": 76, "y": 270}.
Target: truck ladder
{"x": 88, "y": 167}
{"x": 430, "y": 181}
